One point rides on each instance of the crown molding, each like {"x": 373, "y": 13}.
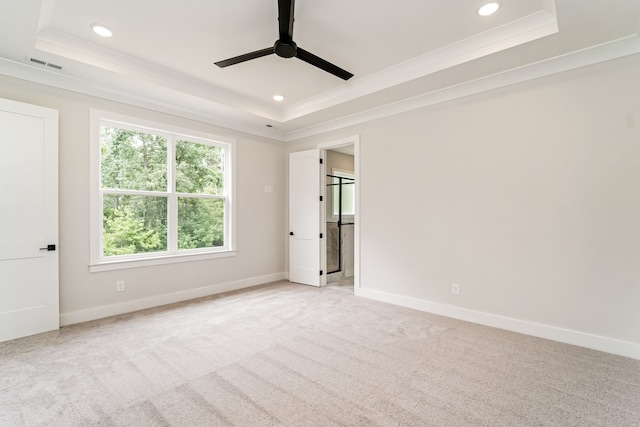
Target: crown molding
{"x": 83, "y": 52}
{"x": 207, "y": 113}
{"x": 204, "y": 111}
{"x": 532, "y": 27}
{"x": 581, "y": 58}
{"x": 528, "y": 28}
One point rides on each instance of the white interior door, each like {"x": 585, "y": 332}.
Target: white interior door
{"x": 304, "y": 217}
{"x": 28, "y": 220}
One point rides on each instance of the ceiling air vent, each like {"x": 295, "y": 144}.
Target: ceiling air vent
{"x": 37, "y": 61}
{"x": 44, "y": 63}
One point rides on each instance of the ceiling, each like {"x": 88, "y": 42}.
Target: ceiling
{"x": 404, "y": 54}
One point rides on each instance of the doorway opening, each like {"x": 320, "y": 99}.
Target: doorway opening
{"x": 339, "y": 216}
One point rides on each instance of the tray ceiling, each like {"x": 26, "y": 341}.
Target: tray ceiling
{"x": 403, "y": 55}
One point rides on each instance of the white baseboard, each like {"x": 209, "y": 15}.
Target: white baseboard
{"x": 158, "y": 300}
{"x": 595, "y": 342}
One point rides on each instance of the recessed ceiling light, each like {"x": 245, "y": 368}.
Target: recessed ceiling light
{"x": 488, "y": 9}
{"x": 278, "y": 98}
{"x": 102, "y": 31}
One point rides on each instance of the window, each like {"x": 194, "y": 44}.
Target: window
{"x": 159, "y": 194}
{"x": 343, "y": 185}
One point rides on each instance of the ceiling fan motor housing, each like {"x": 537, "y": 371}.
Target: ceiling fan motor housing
{"x": 285, "y": 50}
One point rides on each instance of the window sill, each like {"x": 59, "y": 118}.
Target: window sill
{"x": 159, "y": 260}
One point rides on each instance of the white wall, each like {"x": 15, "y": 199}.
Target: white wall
{"x": 527, "y": 196}
{"x": 337, "y": 160}
{"x": 260, "y": 241}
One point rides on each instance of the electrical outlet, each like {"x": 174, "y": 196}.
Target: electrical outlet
{"x": 455, "y": 289}
{"x": 120, "y": 286}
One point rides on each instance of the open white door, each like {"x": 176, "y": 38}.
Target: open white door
{"x": 304, "y": 217}
{"x": 28, "y": 220}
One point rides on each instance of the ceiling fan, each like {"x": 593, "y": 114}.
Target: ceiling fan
{"x": 285, "y": 47}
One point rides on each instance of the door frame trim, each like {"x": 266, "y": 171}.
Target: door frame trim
{"x": 323, "y": 147}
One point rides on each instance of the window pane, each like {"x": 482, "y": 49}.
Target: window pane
{"x": 200, "y": 223}
{"x": 348, "y": 197}
{"x": 134, "y": 224}
{"x": 336, "y": 196}
{"x": 133, "y": 160}
{"x": 199, "y": 168}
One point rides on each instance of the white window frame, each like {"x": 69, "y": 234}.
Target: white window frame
{"x": 98, "y": 262}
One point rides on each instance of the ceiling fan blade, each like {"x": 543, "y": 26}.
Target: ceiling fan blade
{"x": 322, "y": 64}
{"x": 285, "y": 19}
{"x": 245, "y": 57}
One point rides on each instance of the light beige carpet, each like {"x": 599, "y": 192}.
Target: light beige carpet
{"x": 292, "y": 355}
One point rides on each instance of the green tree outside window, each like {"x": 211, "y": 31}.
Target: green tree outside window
{"x": 138, "y": 196}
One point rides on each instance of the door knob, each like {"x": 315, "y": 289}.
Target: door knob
{"x": 291, "y": 233}
{"x": 49, "y": 248}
